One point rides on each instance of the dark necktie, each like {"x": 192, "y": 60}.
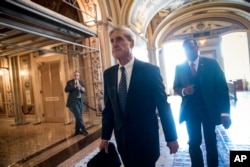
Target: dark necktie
{"x": 79, "y": 91}
{"x": 193, "y": 70}
{"x": 122, "y": 91}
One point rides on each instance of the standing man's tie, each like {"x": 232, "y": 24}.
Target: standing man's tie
{"x": 79, "y": 91}
{"x": 122, "y": 89}
{"x": 193, "y": 70}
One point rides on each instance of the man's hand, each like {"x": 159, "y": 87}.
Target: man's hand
{"x": 173, "y": 146}
{"x": 82, "y": 89}
{"x": 189, "y": 90}
{"x": 104, "y": 145}
{"x": 226, "y": 121}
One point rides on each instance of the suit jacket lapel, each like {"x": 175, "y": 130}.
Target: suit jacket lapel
{"x": 201, "y": 65}
{"x": 112, "y": 87}
{"x": 133, "y": 86}
{"x": 201, "y": 70}
{"x": 186, "y": 73}
{"x": 114, "y": 84}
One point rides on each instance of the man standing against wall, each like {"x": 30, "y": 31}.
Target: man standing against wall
{"x": 75, "y": 88}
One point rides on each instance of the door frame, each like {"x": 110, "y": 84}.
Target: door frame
{"x": 38, "y": 97}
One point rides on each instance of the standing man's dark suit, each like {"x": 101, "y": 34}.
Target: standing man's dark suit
{"x": 75, "y": 88}
{"x": 136, "y": 130}
{"x": 205, "y": 103}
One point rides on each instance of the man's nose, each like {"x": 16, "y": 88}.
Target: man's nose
{"x": 114, "y": 43}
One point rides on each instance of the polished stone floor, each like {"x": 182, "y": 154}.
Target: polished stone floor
{"x": 19, "y": 143}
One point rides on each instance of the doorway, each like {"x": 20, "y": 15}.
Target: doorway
{"x": 52, "y": 92}
{"x": 235, "y": 52}
{"x": 173, "y": 54}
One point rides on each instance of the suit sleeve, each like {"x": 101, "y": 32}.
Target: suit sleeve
{"x": 221, "y": 89}
{"x": 163, "y": 107}
{"x": 107, "y": 114}
{"x": 69, "y": 86}
{"x": 82, "y": 85}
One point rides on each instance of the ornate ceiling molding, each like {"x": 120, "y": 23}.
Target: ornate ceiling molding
{"x": 225, "y": 12}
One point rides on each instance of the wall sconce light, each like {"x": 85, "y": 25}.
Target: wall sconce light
{"x": 3, "y": 70}
{"x": 23, "y": 73}
{"x": 202, "y": 41}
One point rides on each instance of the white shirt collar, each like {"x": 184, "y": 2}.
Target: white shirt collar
{"x": 196, "y": 61}
{"x": 129, "y": 65}
{"x": 128, "y": 71}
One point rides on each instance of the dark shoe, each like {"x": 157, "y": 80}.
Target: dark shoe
{"x": 78, "y": 133}
{"x": 85, "y": 133}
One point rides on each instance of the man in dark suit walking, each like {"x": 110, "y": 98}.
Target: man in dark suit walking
{"x": 75, "y": 88}
{"x": 131, "y": 110}
{"x": 205, "y": 102}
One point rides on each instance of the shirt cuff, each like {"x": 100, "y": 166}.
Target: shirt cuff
{"x": 182, "y": 92}
{"x": 225, "y": 114}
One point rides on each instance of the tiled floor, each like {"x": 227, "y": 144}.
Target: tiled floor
{"x": 20, "y": 142}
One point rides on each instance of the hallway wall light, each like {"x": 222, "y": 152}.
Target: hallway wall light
{"x": 23, "y": 72}
{"x": 202, "y": 41}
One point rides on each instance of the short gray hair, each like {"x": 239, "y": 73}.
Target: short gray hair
{"x": 127, "y": 32}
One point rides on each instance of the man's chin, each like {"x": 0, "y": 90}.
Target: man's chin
{"x": 116, "y": 54}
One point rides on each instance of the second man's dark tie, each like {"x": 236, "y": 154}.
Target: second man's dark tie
{"x": 193, "y": 70}
{"x": 122, "y": 91}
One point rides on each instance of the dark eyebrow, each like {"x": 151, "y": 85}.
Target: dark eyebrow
{"x": 118, "y": 38}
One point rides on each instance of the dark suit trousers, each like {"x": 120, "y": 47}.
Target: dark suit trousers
{"x": 197, "y": 123}
{"x": 138, "y": 159}
{"x": 143, "y": 163}
{"x": 77, "y": 111}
